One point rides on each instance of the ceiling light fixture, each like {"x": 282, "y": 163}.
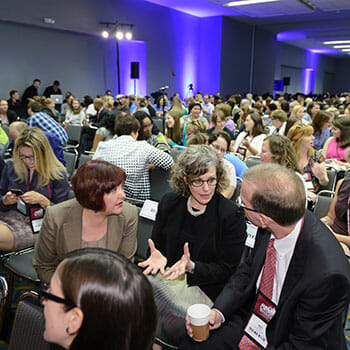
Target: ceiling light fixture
{"x": 346, "y": 50}
{"x": 247, "y": 2}
{"x": 335, "y": 42}
{"x": 342, "y": 46}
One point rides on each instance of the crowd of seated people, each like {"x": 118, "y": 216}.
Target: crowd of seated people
{"x": 305, "y": 134}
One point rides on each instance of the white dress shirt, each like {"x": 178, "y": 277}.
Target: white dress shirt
{"x": 284, "y": 251}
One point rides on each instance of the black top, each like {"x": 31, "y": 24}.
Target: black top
{"x": 216, "y": 239}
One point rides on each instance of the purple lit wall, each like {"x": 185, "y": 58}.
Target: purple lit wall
{"x": 210, "y": 32}
{"x": 309, "y": 73}
{"x": 132, "y": 51}
{"x": 186, "y": 46}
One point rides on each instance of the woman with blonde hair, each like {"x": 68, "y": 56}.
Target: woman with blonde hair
{"x": 49, "y": 108}
{"x": 298, "y": 111}
{"x": 314, "y": 172}
{"x": 177, "y": 106}
{"x": 173, "y": 128}
{"x": 30, "y": 183}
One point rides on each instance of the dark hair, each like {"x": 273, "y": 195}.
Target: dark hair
{"x": 35, "y": 106}
{"x": 116, "y": 300}
{"x": 285, "y": 106}
{"x": 193, "y": 105}
{"x": 319, "y": 120}
{"x": 12, "y": 92}
{"x": 140, "y": 116}
{"x": 93, "y": 179}
{"x": 343, "y": 123}
{"x": 272, "y": 107}
{"x": 216, "y": 134}
{"x": 56, "y": 82}
{"x": 87, "y": 100}
{"x": 125, "y": 124}
{"x": 35, "y": 80}
{"x": 310, "y": 106}
{"x": 279, "y": 194}
{"x": 108, "y": 122}
{"x": 258, "y": 128}
{"x": 290, "y": 122}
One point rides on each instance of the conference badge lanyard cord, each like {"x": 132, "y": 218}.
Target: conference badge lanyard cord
{"x": 35, "y": 211}
{"x": 263, "y": 312}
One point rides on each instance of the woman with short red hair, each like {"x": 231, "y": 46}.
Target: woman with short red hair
{"x": 97, "y": 217}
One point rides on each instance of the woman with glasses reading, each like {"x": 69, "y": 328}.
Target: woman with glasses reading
{"x": 197, "y": 231}
{"x": 29, "y": 183}
{"x": 99, "y": 300}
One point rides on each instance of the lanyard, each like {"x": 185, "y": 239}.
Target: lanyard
{"x": 48, "y": 190}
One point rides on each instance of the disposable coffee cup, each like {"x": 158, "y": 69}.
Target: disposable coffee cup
{"x": 198, "y": 315}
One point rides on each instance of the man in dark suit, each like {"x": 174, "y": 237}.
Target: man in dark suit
{"x": 310, "y": 280}
{"x": 30, "y": 92}
{"x": 88, "y": 131}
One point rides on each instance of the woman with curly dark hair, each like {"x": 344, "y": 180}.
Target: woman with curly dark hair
{"x": 197, "y": 231}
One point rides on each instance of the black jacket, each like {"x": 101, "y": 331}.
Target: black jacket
{"x": 219, "y": 239}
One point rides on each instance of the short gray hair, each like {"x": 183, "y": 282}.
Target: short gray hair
{"x": 280, "y": 193}
{"x": 193, "y": 162}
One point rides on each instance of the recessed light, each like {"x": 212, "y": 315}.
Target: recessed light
{"x": 335, "y": 42}
{"x": 247, "y": 2}
{"x": 346, "y": 50}
{"x": 341, "y": 46}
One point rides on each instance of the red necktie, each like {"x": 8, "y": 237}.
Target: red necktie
{"x": 266, "y": 287}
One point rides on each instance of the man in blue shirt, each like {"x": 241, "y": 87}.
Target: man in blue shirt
{"x": 45, "y": 122}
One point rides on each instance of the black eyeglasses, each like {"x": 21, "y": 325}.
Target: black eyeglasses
{"x": 240, "y": 204}
{"x": 46, "y": 295}
{"x": 212, "y": 181}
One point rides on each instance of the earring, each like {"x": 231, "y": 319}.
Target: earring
{"x": 67, "y": 330}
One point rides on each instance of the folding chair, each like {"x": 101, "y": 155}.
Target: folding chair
{"x": 28, "y": 329}
{"x": 144, "y": 232}
{"x": 237, "y": 192}
{"x": 74, "y": 132}
{"x": 158, "y": 122}
{"x": 323, "y": 202}
{"x": 253, "y": 160}
{"x": 159, "y": 180}
{"x": 83, "y": 158}
{"x": 332, "y": 176}
{"x": 70, "y": 159}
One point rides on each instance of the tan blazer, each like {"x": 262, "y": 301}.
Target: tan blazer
{"x": 61, "y": 233}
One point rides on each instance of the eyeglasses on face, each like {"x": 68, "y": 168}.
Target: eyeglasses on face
{"x": 24, "y": 157}
{"x": 240, "y": 204}
{"x": 46, "y": 295}
{"x": 212, "y": 181}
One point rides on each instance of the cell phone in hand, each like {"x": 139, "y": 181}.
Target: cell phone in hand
{"x": 16, "y": 191}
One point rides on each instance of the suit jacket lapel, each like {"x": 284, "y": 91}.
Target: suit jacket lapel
{"x": 71, "y": 227}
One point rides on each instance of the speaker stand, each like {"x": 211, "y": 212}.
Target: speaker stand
{"x": 134, "y": 87}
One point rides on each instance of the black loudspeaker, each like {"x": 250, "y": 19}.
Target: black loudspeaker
{"x": 286, "y": 81}
{"x": 135, "y": 70}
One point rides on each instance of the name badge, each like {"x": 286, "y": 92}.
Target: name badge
{"x": 36, "y": 218}
{"x": 264, "y": 311}
{"x": 308, "y": 181}
{"x": 149, "y": 210}
{"x": 21, "y": 206}
{"x": 251, "y": 235}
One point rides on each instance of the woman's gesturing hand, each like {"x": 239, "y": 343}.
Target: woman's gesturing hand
{"x": 156, "y": 262}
